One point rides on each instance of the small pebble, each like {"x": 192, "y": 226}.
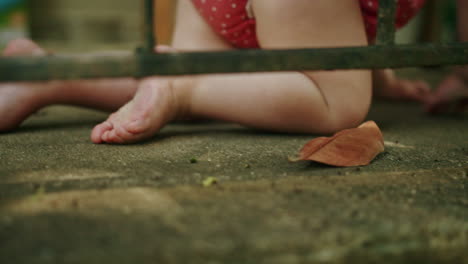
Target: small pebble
{"x": 209, "y": 181}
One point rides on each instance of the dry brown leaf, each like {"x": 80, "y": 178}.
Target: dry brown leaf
{"x": 349, "y": 147}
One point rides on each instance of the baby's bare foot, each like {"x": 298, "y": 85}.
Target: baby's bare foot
{"x": 19, "y": 100}
{"x": 23, "y": 47}
{"x": 154, "y": 105}
{"x": 389, "y": 86}
{"x": 451, "y": 96}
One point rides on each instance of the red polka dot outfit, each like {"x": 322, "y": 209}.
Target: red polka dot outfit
{"x": 406, "y": 10}
{"x": 234, "y": 21}
{"x": 231, "y": 19}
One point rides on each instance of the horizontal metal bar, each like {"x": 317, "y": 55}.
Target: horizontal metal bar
{"x": 65, "y": 67}
{"x": 80, "y": 67}
{"x": 386, "y": 22}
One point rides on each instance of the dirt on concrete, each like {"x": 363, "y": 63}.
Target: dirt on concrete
{"x": 65, "y": 200}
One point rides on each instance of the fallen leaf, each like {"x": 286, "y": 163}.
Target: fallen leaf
{"x": 347, "y": 148}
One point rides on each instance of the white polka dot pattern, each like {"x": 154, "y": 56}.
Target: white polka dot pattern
{"x": 229, "y": 18}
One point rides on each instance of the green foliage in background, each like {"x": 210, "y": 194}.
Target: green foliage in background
{"x": 449, "y": 21}
{"x": 5, "y": 15}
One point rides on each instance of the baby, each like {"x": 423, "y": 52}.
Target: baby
{"x": 297, "y": 102}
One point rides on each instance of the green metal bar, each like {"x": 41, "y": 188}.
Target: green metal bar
{"x": 386, "y": 23}
{"x": 63, "y": 67}
{"x": 150, "y": 38}
{"x": 372, "y": 57}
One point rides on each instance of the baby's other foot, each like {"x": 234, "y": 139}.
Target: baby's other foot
{"x": 164, "y": 49}
{"x": 451, "y": 96}
{"x": 389, "y": 86}
{"x": 19, "y": 100}
{"x": 153, "y": 106}
{"x": 23, "y": 47}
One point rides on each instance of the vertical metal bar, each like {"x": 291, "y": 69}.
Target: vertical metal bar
{"x": 386, "y": 24}
{"x": 150, "y": 38}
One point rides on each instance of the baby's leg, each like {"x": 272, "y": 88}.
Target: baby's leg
{"x": 307, "y": 102}
{"x": 19, "y": 100}
{"x": 159, "y": 100}
{"x": 311, "y": 102}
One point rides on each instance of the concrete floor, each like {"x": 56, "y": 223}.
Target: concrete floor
{"x": 65, "y": 200}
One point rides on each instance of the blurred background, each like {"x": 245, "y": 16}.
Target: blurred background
{"x": 72, "y": 25}
{"x": 82, "y": 25}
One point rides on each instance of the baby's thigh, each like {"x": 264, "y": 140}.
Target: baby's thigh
{"x": 192, "y": 33}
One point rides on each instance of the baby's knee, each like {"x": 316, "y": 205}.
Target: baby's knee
{"x": 331, "y": 120}
{"x": 348, "y": 107}
{"x": 350, "y": 117}
{"x": 338, "y": 117}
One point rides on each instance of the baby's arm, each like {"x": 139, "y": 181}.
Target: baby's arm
{"x": 452, "y": 93}
{"x": 462, "y": 18}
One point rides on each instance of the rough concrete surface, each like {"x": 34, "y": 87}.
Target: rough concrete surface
{"x": 65, "y": 200}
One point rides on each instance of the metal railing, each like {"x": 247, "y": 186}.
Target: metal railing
{"x": 385, "y": 54}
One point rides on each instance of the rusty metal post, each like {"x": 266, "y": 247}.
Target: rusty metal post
{"x": 150, "y": 38}
{"x": 386, "y": 22}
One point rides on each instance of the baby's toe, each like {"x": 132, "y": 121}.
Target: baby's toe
{"x": 119, "y": 135}
{"x": 99, "y": 131}
{"x": 107, "y": 136}
{"x": 113, "y": 137}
